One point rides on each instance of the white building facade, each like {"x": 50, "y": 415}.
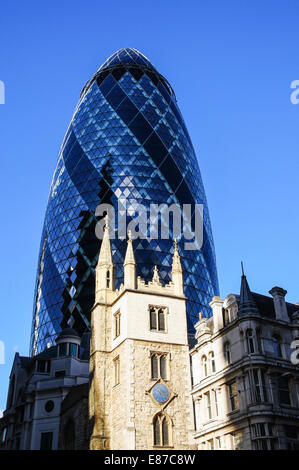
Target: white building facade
{"x": 245, "y": 386}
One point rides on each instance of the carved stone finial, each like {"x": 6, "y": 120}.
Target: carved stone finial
{"x": 130, "y": 265}
{"x": 106, "y": 222}
{"x": 176, "y": 270}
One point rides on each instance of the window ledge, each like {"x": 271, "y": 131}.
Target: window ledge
{"x": 163, "y": 447}
{"x": 210, "y": 421}
{"x": 260, "y": 403}
{"x": 159, "y": 378}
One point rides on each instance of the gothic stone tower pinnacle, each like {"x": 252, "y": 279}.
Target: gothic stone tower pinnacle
{"x": 130, "y": 266}
{"x": 139, "y": 361}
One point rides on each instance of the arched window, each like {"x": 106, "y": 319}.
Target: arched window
{"x": 155, "y": 368}
{"x": 163, "y": 367}
{"x": 157, "y": 432}
{"x": 161, "y": 319}
{"x": 250, "y": 341}
{"x": 157, "y": 318}
{"x": 153, "y": 319}
{"x": 212, "y": 362}
{"x": 276, "y": 343}
{"x": 116, "y": 363}
{"x": 204, "y": 366}
{"x": 116, "y": 324}
{"x": 227, "y": 352}
{"x": 165, "y": 432}
{"x": 108, "y": 279}
{"x": 69, "y": 435}
{"x": 159, "y": 367}
{"x": 227, "y": 317}
{"x": 259, "y": 340}
{"x": 161, "y": 428}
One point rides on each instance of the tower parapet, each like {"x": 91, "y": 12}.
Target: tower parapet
{"x": 105, "y": 290}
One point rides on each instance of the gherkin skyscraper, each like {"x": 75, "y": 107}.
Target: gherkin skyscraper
{"x": 126, "y": 140}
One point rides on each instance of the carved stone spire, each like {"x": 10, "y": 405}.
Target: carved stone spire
{"x": 105, "y": 268}
{"x": 130, "y": 265}
{"x": 177, "y": 271}
{"x": 176, "y": 259}
{"x": 105, "y": 256}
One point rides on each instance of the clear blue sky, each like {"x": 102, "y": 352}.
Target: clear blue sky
{"x": 230, "y": 63}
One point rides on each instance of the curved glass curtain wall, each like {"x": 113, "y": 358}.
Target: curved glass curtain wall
{"x": 127, "y": 139}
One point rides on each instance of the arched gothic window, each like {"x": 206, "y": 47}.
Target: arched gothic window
{"x": 259, "y": 340}
{"x": 163, "y": 367}
{"x": 153, "y": 319}
{"x": 226, "y": 316}
{"x": 250, "y": 341}
{"x": 204, "y": 366}
{"x": 161, "y": 319}
{"x": 159, "y": 366}
{"x": 157, "y": 318}
{"x": 161, "y": 430}
{"x": 212, "y": 362}
{"x": 227, "y": 352}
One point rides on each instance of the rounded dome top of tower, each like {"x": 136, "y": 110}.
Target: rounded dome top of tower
{"x": 128, "y": 59}
{"x": 127, "y": 56}
{"x": 68, "y": 335}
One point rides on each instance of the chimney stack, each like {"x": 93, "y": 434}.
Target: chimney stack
{"x": 280, "y": 306}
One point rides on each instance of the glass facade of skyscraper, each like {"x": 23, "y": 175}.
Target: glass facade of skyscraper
{"x": 126, "y": 140}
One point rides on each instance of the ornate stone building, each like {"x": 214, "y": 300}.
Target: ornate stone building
{"x": 133, "y": 382}
{"x": 245, "y": 385}
{"x": 38, "y": 387}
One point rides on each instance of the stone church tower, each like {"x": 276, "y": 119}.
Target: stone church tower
{"x": 140, "y": 380}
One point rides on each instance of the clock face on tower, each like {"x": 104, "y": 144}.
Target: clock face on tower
{"x": 160, "y": 393}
